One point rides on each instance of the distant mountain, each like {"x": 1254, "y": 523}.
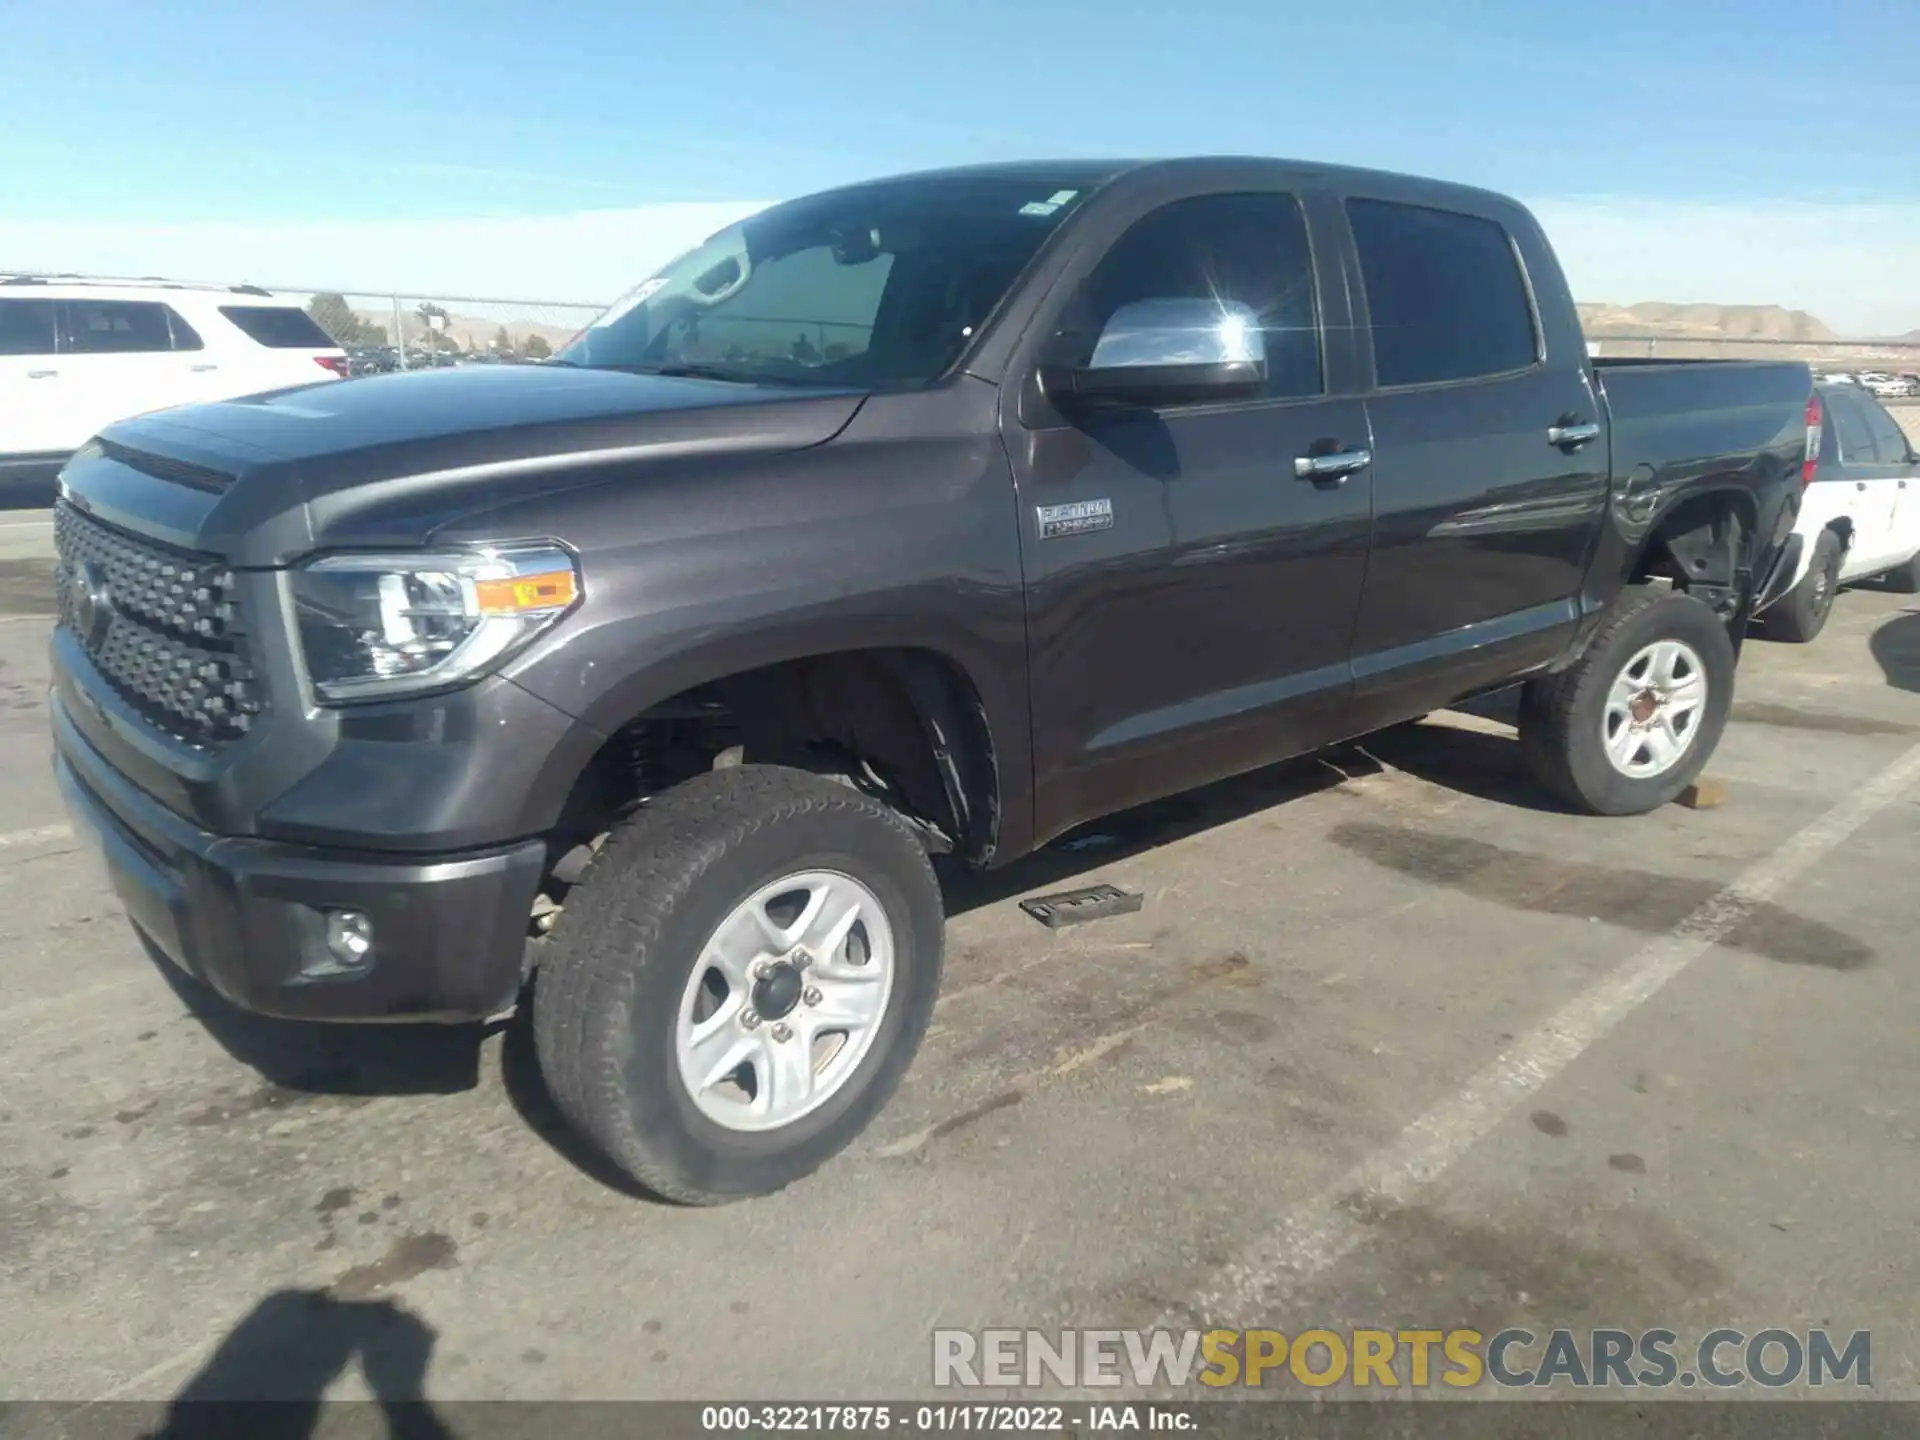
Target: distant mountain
{"x": 1703, "y": 322}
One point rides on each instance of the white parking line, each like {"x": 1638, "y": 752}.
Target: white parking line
{"x": 27, "y": 525}
{"x": 1321, "y": 1231}
{"x": 14, "y": 839}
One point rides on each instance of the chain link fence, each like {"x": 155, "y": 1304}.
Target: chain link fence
{"x": 1851, "y": 357}
{"x": 387, "y": 330}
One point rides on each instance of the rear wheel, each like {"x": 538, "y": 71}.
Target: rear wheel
{"x": 1905, "y": 579}
{"x": 740, "y": 981}
{"x": 1634, "y": 720}
{"x": 1802, "y": 612}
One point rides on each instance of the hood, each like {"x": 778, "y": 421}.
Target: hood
{"x": 385, "y": 459}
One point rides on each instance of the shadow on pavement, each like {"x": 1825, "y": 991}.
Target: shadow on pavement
{"x": 1470, "y": 762}
{"x": 266, "y": 1380}
{"x": 26, "y": 586}
{"x": 531, "y": 1100}
{"x": 429, "y": 1059}
{"x": 1896, "y": 649}
{"x": 1147, "y": 827}
{"x": 333, "y": 1059}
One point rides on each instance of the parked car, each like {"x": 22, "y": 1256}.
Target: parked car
{"x": 76, "y": 355}
{"x": 686, "y": 650}
{"x": 372, "y": 359}
{"x": 1890, "y": 387}
{"x": 1859, "y": 518}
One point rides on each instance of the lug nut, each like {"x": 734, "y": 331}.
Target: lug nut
{"x": 802, "y": 960}
{"x": 749, "y": 1018}
{"x": 783, "y": 1032}
{"x": 812, "y": 995}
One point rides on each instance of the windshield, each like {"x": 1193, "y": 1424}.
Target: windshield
{"x": 877, "y": 286}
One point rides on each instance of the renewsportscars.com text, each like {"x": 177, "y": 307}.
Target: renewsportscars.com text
{"x": 1459, "y": 1358}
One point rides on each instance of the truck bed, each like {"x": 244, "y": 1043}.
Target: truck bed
{"x": 1684, "y": 419}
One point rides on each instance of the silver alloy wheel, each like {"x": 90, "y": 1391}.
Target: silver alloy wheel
{"x": 1654, "y": 709}
{"x": 786, "y": 1000}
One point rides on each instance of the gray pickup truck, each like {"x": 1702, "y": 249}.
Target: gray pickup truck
{"x": 932, "y": 516}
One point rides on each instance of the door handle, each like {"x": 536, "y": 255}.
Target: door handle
{"x": 1336, "y": 466}
{"x": 1859, "y": 484}
{"x": 42, "y": 374}
{"x": 199, "y": 369}
{"x": 1573, "y": 434}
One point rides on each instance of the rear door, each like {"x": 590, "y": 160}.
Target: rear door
{"x": 1191, "y": 598}
{"x": 32, "y": 387}
{"x": 122, "y": 358}
{"x": 1870, "y": 485}
{"x": 1894, "y": 454}
{"x": 1490, "y": 466}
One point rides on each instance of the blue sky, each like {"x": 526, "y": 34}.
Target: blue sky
{"x": 209, "y": 114}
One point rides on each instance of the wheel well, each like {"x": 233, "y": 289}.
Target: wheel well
{"x": 1704, "y": 546}
{"x": 904, "y": 724}
{"x": 1843, "y": 527}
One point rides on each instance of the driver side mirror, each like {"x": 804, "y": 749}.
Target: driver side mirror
{"x": 1167, "y": 352}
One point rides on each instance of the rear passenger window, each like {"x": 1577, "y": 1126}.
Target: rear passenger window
{"x": 26, "y": 327}
{"x": 116, "y": 327}
{"x": 1246, "y": 248}
{"x": 1445, "y": 294}
{"x": 279, "y": 327}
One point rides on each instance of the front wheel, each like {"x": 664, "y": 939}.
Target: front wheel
{"x": 1634, "y": 720}
{"x": 740, "y": 981}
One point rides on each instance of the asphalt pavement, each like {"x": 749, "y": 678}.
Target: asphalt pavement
{"x": 1391, "y": 1042}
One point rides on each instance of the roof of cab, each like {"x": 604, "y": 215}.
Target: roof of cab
{"x": 1092, "y": 174}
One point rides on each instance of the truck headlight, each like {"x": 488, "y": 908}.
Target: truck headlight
{"x": 374, "y": 626}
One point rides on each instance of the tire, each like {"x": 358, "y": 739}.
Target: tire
{"x": 1802, "y": 612}
{"x": 1565, "y": 718}
{"x": 611, "y": 1004}
{"x": 1905, "y": 579}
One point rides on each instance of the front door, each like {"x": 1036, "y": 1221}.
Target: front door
{"x": 1190, "y": 596}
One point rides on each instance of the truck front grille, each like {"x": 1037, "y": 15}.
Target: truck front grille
{"x": 162, "y": 625}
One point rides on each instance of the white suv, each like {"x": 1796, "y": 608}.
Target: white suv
{"x": 76, "y": 355}
{"x": 1859, "y": 515}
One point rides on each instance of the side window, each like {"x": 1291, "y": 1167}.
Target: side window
{"x": 185, "y": 337}
{"x": 117, "y": 327}
{"x": 26, "y": 327}
{"x": 1889, "y": 442}
{"x": 1849, "y": 419}
{"x": 1251, "y": 249}
{"x": 1445, "y": 294}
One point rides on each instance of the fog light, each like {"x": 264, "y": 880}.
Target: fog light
{"x": 349, "y": 937}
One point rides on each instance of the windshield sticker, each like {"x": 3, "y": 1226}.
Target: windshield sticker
{"x": 637, "y": 298}
{"x": 1047, "y": 206}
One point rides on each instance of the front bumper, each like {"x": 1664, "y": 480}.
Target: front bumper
{"x": 248, "y": 916}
